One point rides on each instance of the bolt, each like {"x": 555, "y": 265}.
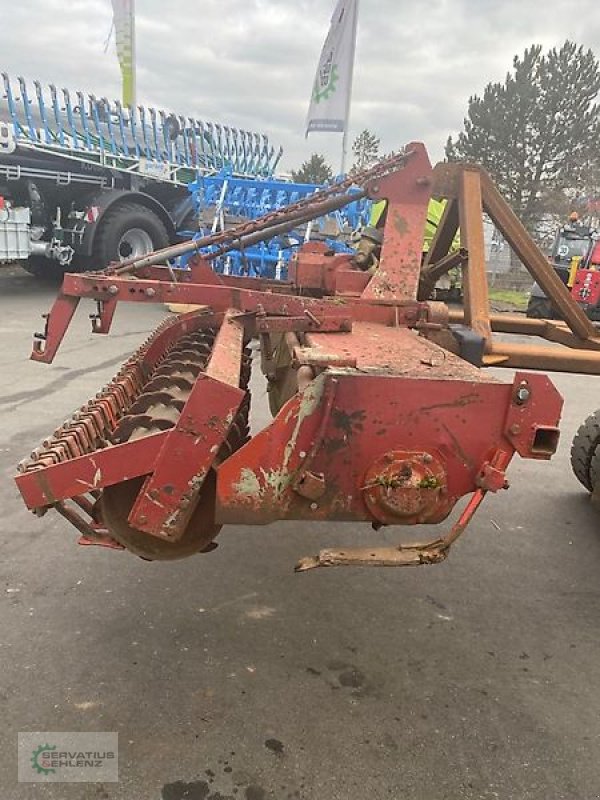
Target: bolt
{"x": 143, "y": 519}
{"x": 427, "y": 458}
{"x": 112, "y": 289}
{"x": 150, "y": 292}
{"x": 522, "y": 394}
{"x": 313, "y": 506}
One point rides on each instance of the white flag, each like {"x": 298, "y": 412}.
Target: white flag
{"x": 330, "y": 99}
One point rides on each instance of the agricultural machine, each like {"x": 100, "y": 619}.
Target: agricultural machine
{"x": 383, "y": 412}
{"x": 84, "y": 181}
{"x": 223, "y": 200}
{"x": 575, "y": 258}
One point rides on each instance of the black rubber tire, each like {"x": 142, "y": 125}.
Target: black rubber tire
{"x": 539, "y": 308}
{"x": 595, "y": 473}
{"x": 584, "y": 447}
{"x": 46, "y": 269}
{"x": 116, "y": 222}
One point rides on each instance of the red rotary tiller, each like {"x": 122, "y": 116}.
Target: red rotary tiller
{"x": 382, "y": 413}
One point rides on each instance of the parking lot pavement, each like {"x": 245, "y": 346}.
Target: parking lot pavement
{"x": 229, "y": 676}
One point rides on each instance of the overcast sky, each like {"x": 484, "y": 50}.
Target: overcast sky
{"x": 251, "y": 63}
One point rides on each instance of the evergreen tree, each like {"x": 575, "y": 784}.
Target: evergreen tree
{"x": 365, "y": 150}
{"x": 537, "y": 133}
{"x": 314, "y": 170}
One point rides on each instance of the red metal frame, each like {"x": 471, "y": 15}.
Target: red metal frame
{"x": 388, "y": 426}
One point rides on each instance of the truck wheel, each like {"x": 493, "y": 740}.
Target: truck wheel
{"x": 46, "y": 269}
{"x": 539, "y": 308}
{"x": 584, "y": 447}
{"x": 128, "y": 231}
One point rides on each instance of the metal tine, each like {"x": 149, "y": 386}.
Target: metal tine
{"x": 71, "y": 119}
{"x": 277, "y": 158}
{"x": 186, "y": 142}
{"x": 195, "y": 156}
{"x": 211, "y": 143}
{"x": 244, "y": 159}
{"x": 250, "y": 146}
{"x": 133, "y": 130}
{"x": 168, "y": 145}
{"x": 196, "y": 145}
{"x": 12, "y": 108}
{"x": 42, "y": 109}
{"x": 108, "y": 111}
{"x": 84, "y": 120}
{"x": 119, "y": 112}
{"x": 226, "y": 147}
{"x": 236, "y": 155}
{"x": 57, "y": 115}
{"x": 27, "y": 109}
{"x": 158, "y": 153}
{"x": 257, "y": 152}
{"x": 262, "y": 160}
{"x": 204, "y": 144}
{"x": 250, "y": 141}
{"x": 96, "y": 119}
{"x": 220, "y": 149}
{"x": 147, "y": 148}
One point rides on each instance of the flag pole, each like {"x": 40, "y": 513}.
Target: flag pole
{"x": 349, "y": 94}
{"x": 133, "y": 58}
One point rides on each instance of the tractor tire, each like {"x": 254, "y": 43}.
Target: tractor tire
{"x": 584, "y": 447}
{"x": 595, "y": 474}
{"x": 539, "y": 308}
{"x": 127, "y": 231}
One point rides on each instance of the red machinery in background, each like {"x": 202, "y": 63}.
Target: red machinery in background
{"x": 382, "y": 413}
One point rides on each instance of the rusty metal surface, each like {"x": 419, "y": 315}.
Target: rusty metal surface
{"x": 374, "y": 421}
{"x": 551, "y": 330}
{"x": 307, "y": 207}
{"x": 525, "y": 356}
{"x": 406, "y": 487}
{"x": 409, "y": 555}
{"x": 407, "y": 194}
{"x": 256, "y": 484}
{"x": 541, "y": 270}
{"x": 168, "y": 498}
{"x": 399, "y": 351}
{"x": 475, "y": 289}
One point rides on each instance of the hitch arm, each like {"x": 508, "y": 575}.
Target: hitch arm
{"x": 415, "y": 554}
{"x": 58, "y": 320}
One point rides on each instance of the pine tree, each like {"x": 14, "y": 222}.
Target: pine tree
{"x": 537, "y": 133}
{"x": 314, "y": 170}
{"x": 365, "y": 150}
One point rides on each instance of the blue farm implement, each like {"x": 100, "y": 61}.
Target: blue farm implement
{"x": 224, "y": 200}
{"x": 85, "y": 181}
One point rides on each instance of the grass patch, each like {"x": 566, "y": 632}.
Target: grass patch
{"x": 511, "y": 297}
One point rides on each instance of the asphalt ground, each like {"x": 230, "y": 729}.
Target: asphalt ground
{"x": 229, "y": 676}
